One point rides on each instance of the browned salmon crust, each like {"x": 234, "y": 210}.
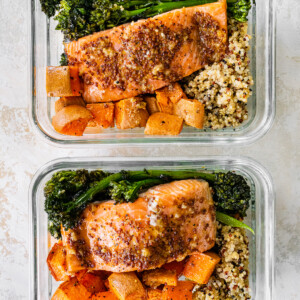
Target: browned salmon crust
{"x": 167, "y": 223}
{"x": 142, "y": 57}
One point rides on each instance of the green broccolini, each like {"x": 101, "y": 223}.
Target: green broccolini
{"x": 74, "y": 18}
{"x": 69, "y": 192}
{"x": 231, "y": 193}
{"x": 49, "y": 7}
{"x": 239, "y": 9}
{"x": 63, "y": 59}
{"x": 228, "y": 220}
{"x": 78, "y": 18}
{"x": 60, "y": 190}
{"x": 126, "y": 191}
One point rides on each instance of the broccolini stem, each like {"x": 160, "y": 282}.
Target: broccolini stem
{"x": 101, "y": 186}
{"x": 143, "y": 184}
{"x": 164, "y": 6}
{"x": 169, "y": 175}
{"x": 96, "y": 189}
{"x": 228, "y": 220}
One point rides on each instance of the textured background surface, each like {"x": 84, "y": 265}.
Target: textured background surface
{"x": 22, "y": 152}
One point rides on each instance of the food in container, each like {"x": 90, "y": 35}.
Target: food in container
{"x": 221, "y": 86}
{"x": 215, "y": 263}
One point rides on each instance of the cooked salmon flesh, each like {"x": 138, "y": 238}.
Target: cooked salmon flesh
{"x": 144, "y": 56}
{"x": 167, "y": 223}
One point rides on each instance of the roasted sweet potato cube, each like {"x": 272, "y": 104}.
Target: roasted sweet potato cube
{"x": 62, "y": 81}
{"x": 79, "y": 275}
{"x": 157, "y": 277}
{"x": 75, "y": 81}
{"x": 92, "y": 283}
{"x": 176, "y": 266}
{"x": 72, "y": 120}
{"x": 102, "y": 274}
{"x": 126, "y": 286}
{"x": 172, "y": 92}
{"x": 154, "y": 294}
{"x": 106, "y": 283}
{"x": 152, "y": 106}
{"x": 71, "y": 290}
{"x": 200, "y": 267}
{"x": 192, "y": 112}
{"x": 103, "y": 114}
{"x": 163, "y": 124}
{"x": 57, "y": 262}
{"x": 66, "y": 101}
{"x": 131, "y": 113}
{"x": 104, "y": 296}
{"x": 183, "y": 291}
{"x": 164, "y": 104}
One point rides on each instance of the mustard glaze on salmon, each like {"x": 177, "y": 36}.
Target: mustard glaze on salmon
{"x": 167, "y": 223}
{"x": 144, "y": 56}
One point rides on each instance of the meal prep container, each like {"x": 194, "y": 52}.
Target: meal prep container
{"x": 260, "y": 214}
{"x": 47, "y": 46}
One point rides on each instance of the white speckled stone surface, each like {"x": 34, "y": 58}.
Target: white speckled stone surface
{"x": 22, "y": 152}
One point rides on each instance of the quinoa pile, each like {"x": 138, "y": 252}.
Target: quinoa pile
{"x": 224, "y": 87}
{"x": 230, "y": 278}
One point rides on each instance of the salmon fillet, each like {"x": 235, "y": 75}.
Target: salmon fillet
{"x": 167, "y": 223}
{"x": 149, "y": 54}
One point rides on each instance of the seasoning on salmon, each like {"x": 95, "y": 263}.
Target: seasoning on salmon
{"x": 144, "y": 56}
{"x": 167, "y": 223}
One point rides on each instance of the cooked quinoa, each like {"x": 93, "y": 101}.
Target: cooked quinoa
{"x": 224, "y": 87}
{"x": 230, "y": 278}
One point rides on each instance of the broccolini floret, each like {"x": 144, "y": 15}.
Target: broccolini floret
{"x": 239, "y": 9}
{"x": 60, "y": 192}
{"x": 63, "y": 59}
{"x": 49, "y": 7}
{"x": 231, "y": 193}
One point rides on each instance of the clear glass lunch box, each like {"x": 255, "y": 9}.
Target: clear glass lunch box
{"x": 260, "y": 214}
{"x": 47, "y": 46}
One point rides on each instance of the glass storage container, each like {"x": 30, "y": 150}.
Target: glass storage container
{"x": 260, "y": 214}
{"x": 47, "y": 46}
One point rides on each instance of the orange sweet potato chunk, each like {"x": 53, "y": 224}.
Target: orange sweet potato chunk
{"x": 154, "y": 294}
{"x": 72, "y": 120}
{"x": 182, "y": 291}
{"x": 126, "y": 286}
{"x": 176, "y": 266}
{"x": 152, "y": 106}
{"x": 163, "y": 124}
{"x": 172, "y": 92}
{"x": 103, "y": 114}
{"x": 164, "y": 104}
{"x": 62, "y": 81}
{"x": 75, "y": 81}
{"x": 57, "y": 262}
{"x": 200, "y": 267}
{"x": 157, "y": 277}
{"x": 192, "y": 111}
{"x": 79, "y": 275}
{"x": 131, "y": 113}
{"x": 104, "y": 296}
{"x": 66, "y": 101}
{"x": 94, "y": 284}
{"x": 71, "y": 290}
